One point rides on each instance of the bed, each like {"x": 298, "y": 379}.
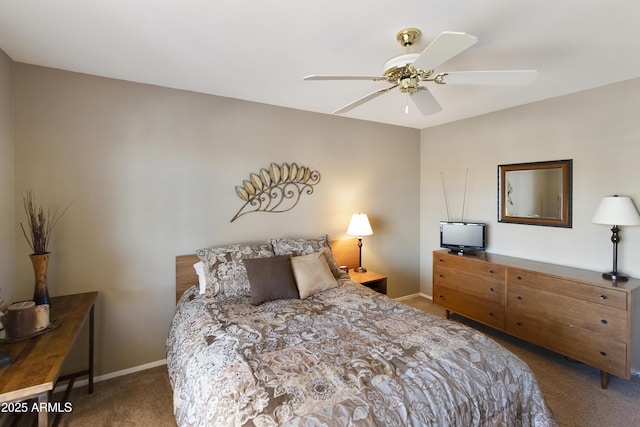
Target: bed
{"x": 338, "y": 354}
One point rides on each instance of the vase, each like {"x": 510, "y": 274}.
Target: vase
{"x": 41, "y": 291}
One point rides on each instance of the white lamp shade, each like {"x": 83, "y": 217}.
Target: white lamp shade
{"x": 359, "y": 225}
{"x": 616, "y": 210}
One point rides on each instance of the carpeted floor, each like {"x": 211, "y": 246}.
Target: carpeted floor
{"x": 140, "y": 399}
{"x": 571, "y": 389}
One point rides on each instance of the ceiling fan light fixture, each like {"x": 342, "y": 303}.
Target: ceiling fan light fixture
{"x": 410, "y": 85}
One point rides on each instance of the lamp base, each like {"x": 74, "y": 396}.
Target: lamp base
{"x": 615, "y": 276}
{"x": 360, "y": 269}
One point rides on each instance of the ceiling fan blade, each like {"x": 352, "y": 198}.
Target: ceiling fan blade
{"x": 447, "y": 45}
{"x": 503, "y": 78}
{"x": 364, "y": 99}
{"x": 425, "y": 102}
{"x": 320, "y": 77}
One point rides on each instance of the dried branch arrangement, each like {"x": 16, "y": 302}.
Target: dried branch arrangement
{"x": 40, "y": 223}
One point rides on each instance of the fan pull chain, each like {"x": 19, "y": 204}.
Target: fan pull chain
{"x": 406, "y": 107}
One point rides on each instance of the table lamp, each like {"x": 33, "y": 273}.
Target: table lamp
{"x": 359, "y": 226}
{"x": 615, "y": 211}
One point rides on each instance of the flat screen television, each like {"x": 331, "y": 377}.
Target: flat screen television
{"x": 463, "y": 237}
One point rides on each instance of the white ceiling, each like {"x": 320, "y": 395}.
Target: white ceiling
{"x": 259, "y": 50}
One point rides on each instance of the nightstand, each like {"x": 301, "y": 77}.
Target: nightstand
{"x": 371, "y": 279}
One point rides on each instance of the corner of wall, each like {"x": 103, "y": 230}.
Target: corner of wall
{"x": 7, "y": 180}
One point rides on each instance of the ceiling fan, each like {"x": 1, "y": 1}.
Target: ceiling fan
{"x": 408, "y": 70}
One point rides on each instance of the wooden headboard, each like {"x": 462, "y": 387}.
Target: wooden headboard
{"x": 344, "y": 251}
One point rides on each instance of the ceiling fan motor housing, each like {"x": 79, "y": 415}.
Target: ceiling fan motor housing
{"x": 399, "y": 70}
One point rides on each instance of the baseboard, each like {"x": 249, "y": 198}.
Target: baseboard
{"x": 419, "y": 294}
{"x": 85, "y": 381}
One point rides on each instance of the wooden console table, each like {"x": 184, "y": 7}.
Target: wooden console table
{"x": 568, "y": 310}
{"x": 36, "y": 362}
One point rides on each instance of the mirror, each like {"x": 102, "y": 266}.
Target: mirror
{"x": 535, "y": 193}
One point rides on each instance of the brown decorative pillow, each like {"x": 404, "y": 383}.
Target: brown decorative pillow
{"x": 270, "y": 279}
{"x": 312, "y": 274}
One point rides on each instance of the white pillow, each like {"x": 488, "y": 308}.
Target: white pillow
{"x": 202, "y": 277}
{"x": 312, "y": 274}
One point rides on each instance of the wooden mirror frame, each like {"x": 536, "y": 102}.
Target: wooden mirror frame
{"x": 565, "y": 212}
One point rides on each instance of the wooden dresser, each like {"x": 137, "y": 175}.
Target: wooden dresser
{"x": 571, "y": 311}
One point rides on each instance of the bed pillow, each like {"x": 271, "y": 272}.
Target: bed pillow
{"x": 312, "y": 274}
{"x": 333, "y": 264}
{"x": 297, "y": 247}
{"x": 224, "y": 268}
{"x": 202, "y": 277}
{"x": 270, "y": 279}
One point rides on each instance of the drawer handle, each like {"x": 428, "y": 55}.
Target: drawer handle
{"x": 604, "y": 321}
{"x": 490, "y": 314}
{"x": 441, "y": 260}
{"x": 519, "y": 277}
{"x": 491, "y": 271}
{"x": 442, "y": 276}
{"x": 603, "y": 297}
{"x": 603, "y": 353}
{"x": 519, "y": 323}
{"x": 441, "y": 296}
{"x": 492, "y": 290}
{"x": 519, "y": 297}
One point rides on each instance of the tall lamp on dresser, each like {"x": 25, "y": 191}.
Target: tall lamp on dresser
{"x": 616, "y": 211}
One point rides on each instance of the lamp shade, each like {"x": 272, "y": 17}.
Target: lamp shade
{"x": 359, "y": 225}
{"x": 616, "y": 210}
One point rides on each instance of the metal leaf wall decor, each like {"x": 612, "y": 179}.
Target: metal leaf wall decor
{"x": 276, "y": 189}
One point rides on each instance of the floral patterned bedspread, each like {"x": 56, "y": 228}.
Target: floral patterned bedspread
{"x": 344, "y": 357}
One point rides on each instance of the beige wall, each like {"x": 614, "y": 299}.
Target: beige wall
{"x": 155, "y": 170}
{"x": 7, "y": 182}
{"x": 598, "y": 129}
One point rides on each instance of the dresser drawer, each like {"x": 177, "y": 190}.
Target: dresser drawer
{"x": 582, "y": 291}
{"x": 599, "y": 351}
{"x": 592, "y": 317}
{"x": 468, "y": 263}
{"x": 481, "y": 279}
{"x": 487, "y": 312}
